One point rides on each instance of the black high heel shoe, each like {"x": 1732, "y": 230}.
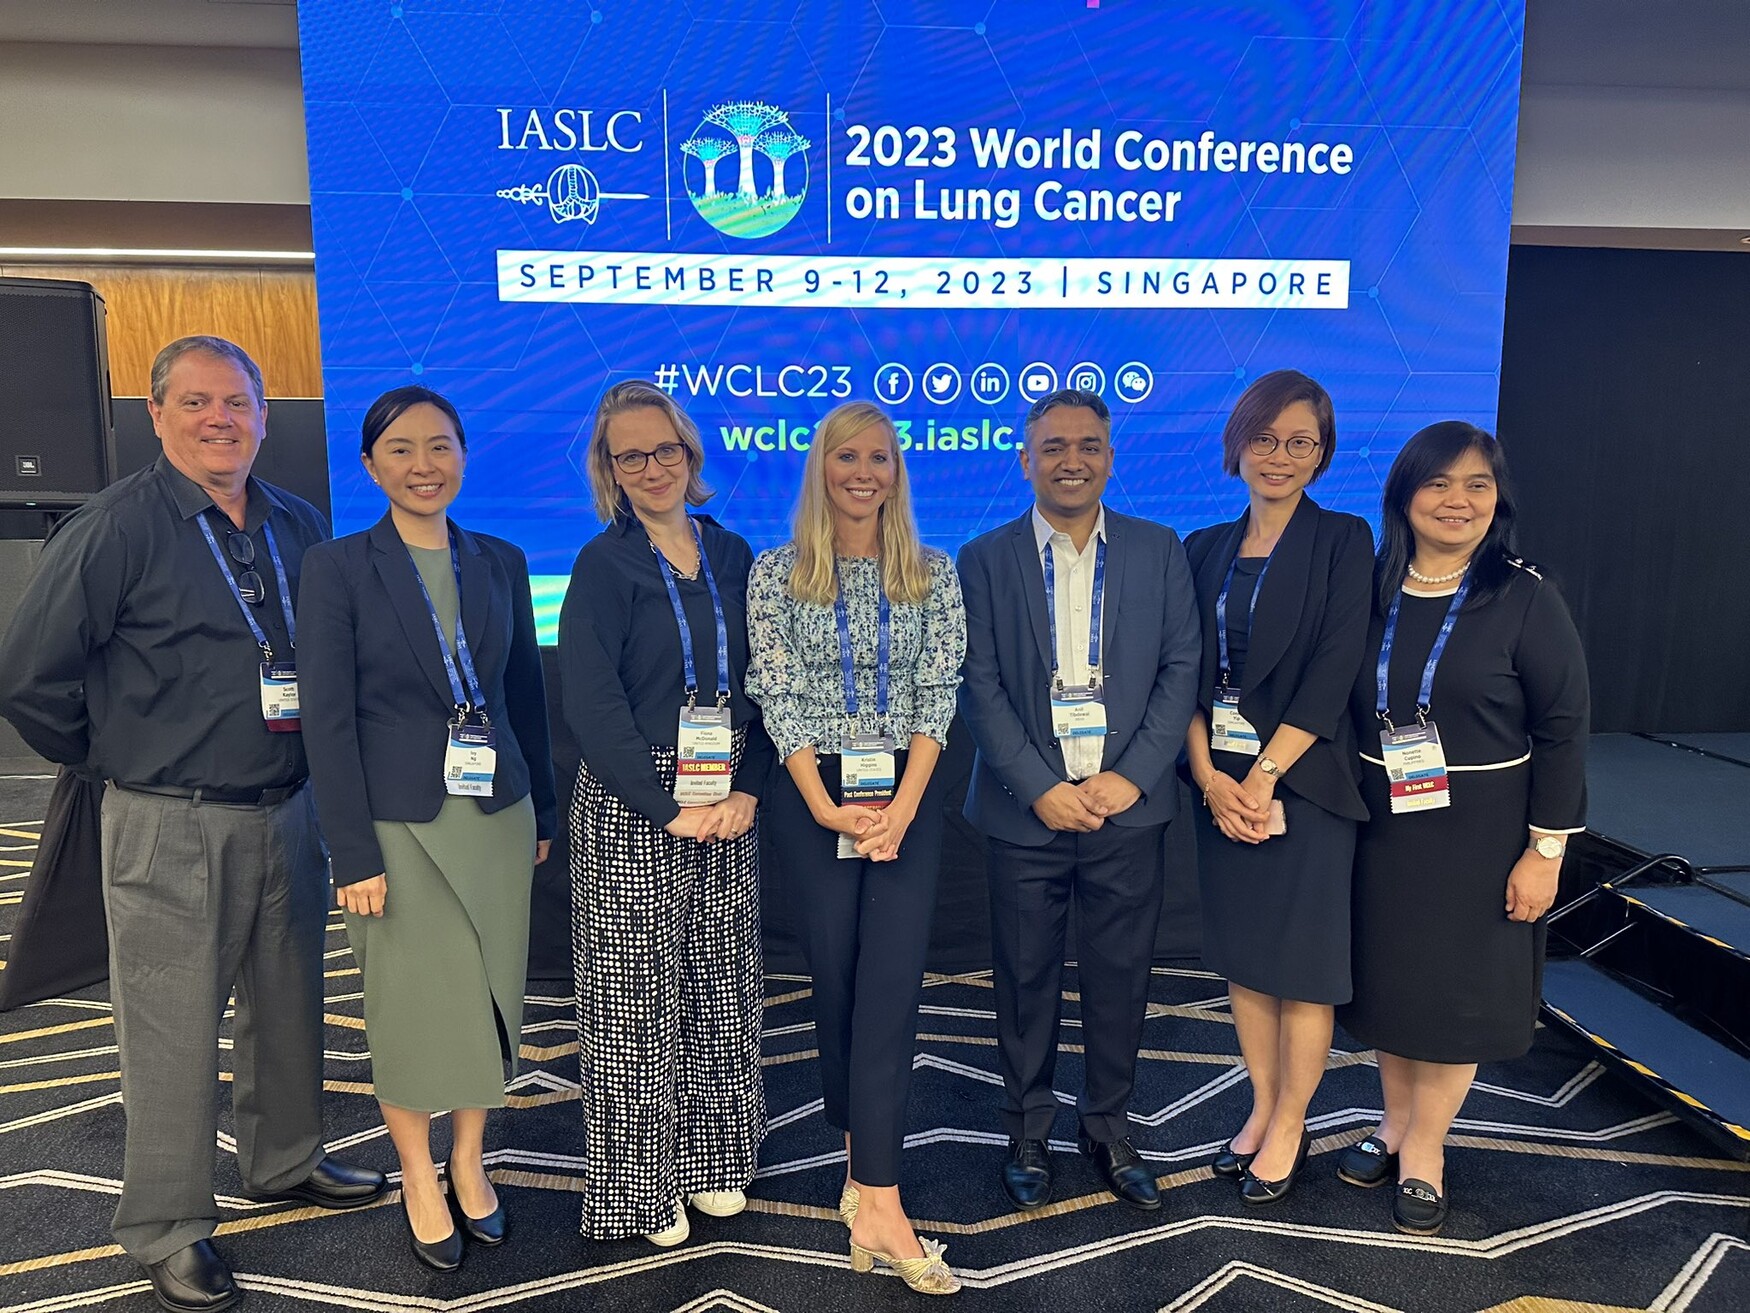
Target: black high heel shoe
{"x": 1231, "y": 1163}
{"x": 488, "y": 1230}
{"x": 1256, "y": 1190}
{"x": 440, "y": 1255}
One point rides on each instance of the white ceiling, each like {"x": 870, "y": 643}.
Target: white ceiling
{"x": 269, "y": 24}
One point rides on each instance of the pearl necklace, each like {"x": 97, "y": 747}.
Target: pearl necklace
{"x": 1421, "y": 578}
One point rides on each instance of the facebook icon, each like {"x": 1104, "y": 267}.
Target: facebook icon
{"x": 893, "y": 384}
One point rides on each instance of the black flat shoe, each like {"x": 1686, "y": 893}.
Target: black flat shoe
{"x": 332, "y": 1184}
{"x": 1256, "y": 1190}
{"x": 440, "y": 1255}
{"x": 1368, "y": 1164}
{"x": 1418, "y": 1209}
{"x": 1027, "y": 1174}
{"x": 192, "y": 1280}
{"x": 1231, "y": 1163}
{"x": 488, "y": 1230}
{"x": 1127, "y": 1176}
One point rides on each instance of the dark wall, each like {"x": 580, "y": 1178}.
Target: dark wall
{"x": 1625, "y": 411}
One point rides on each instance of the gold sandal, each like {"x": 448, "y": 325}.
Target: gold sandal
{"x": 928, "y": 1275}
{"x": 848, "y": 1202}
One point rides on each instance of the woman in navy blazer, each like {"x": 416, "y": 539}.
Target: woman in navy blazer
{"x": 1284, "y": 593}
{"x": 413, "y": 636}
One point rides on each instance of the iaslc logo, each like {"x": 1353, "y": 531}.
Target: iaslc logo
{"x": 571, "y": 191}
{"x": 767, "y": 195}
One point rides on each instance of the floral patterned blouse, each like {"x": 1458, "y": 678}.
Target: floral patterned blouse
{"x": 793, "y": 655}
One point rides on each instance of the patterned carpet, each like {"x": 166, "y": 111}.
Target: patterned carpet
{"x": 1570, "y": 1193}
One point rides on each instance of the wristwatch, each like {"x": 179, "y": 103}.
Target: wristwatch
{"x": 1269, "y": 767}
{"x": 1549, "y": 847}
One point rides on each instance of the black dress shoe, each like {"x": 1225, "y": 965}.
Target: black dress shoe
{"x": 1027, "y": 1174}
{"x": 1256, "y": 1190}
{"x": 440, "y": 1255}
{"x": 333, "y": 1184}
{"x": 488, "y": 1230}
{"x": 1418, "y": 1209}
{"x": 1231, "y": 1163}
{"x": 1368, "y": 1164}
{"x": 192, "y": 1280}
{"x": 1127, "y": 1176}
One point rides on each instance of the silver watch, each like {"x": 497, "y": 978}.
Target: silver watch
{"x": 1269, "y": 767}
{"x": 1549, "y": 847}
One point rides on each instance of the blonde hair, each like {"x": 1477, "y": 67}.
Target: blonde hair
{"x": 637, "y": 394}
{"x": 905, "y": 571}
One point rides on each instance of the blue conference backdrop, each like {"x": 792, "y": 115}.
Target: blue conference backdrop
{"x": 950, "y": 209}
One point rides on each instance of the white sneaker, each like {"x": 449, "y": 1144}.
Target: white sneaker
{"x": 719, "y": 1203}
{"x": 676, "y": 1232}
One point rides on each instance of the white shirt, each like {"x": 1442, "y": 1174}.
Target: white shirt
{"x": 1074, "y": 573}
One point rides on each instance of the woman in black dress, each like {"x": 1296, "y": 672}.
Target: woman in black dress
{"x": 1461, "y": 857}
{"x": 1283, "y": 592}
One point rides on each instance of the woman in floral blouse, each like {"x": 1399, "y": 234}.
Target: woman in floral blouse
{"x": 856, "y": 632}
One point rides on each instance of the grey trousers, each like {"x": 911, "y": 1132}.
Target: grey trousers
{"x": 201, "y": 900}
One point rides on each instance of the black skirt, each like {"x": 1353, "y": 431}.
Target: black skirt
{"x": 1441, "y": 974}
{"x": 1276, "y": 914}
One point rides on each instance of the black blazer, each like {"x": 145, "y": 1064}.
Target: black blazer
{"x": 1309, "y": 630}
{"x": 1148, "y": 661}
{"x": 377, "y": 703}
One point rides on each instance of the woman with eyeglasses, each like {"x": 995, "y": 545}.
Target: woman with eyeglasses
{"x": 664, "y": 850}
{"x": 425, "y": 719}
{"x": 1283, "y": 592}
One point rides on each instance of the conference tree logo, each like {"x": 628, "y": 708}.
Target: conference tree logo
{"x": 754, "y": 143}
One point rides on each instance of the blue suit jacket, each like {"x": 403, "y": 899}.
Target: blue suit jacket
{"x": 377, "y": 702}
{"x": 1150, "y": 650}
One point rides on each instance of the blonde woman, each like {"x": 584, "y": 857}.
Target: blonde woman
{"x": 664, "y": 853}
{"x": 857, "y": 632}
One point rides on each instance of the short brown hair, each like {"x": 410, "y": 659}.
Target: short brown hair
{"x": 1268, "y": 397}
{"x": 639, "y": 394}
{"x": 206, "y": 346}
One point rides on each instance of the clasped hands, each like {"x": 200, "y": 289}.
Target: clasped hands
{"x": 877, "y": 830}
{"x": 1084, "y": 807}
{"x": 1241, "y": 808}
{"x": 729, "y": 819}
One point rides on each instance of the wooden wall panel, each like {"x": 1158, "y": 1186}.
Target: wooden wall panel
{"x": 270, "y": 313}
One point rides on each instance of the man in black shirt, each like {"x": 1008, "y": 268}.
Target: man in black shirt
{"x": 155, "y": 647}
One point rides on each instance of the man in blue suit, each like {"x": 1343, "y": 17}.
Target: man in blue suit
{"x": 1080, "y": 678}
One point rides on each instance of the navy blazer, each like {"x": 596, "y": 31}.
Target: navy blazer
{"x": 377, "y": 703}
{"x": 1309, "y": 629}
{"x": 1149, "y": 651}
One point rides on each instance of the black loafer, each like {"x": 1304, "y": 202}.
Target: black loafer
{"x": 1231, "y": 1163}
{"x": 192, "y": 1280}
{"x": 1027, "y": 1174}
{"x": 1256, "y": 1190}
{"x": 440, "y": 1255}
{"x": 333, "y": 1184}
{"x": 1368, "y": 1164}
{"x": 1418, "y": 1209}
{"x": 488, "y": 1230}
{"x": 1127, "y": 1176}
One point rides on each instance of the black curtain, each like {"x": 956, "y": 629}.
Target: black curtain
{"x": 1625, "y": 413}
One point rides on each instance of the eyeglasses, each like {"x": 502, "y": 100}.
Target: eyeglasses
{"x": 242, "y": 549}
{"x": 1265, "y": 444}
{"x": 633, "y": 462}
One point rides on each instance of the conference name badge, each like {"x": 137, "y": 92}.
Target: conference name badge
{"x": 1078, "y": 711}
{"x": 279, "y": 696}
{"x": 1228, "y": 730}
{"x": 867, "y": 775}
{"x": 471, "y": 758}
{"x": 1415, "y": 765}
{"x": 702, "y": 752}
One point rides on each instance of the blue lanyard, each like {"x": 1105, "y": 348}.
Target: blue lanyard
{"x": 680, "y": 618}
{"x": 883, "y": 649}
{"x": 1425, "y": 694}
{"x": 473, "y": 699}
{"x": 1251, "y": 609}
{"x": 279, "y": 574}
{"x": 1093, "y": 621}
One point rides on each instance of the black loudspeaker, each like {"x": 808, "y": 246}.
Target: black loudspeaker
{"x": 57, "y": 439}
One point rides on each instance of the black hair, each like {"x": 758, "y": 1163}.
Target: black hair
{"x": 1263, "y": 401}
{"x": 1065, "y": 397}
{"x": 1429, "y": 453}
{"x": 395, "y": 403}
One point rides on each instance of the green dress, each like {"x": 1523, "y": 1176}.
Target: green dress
{"x": 444, "y": 966}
